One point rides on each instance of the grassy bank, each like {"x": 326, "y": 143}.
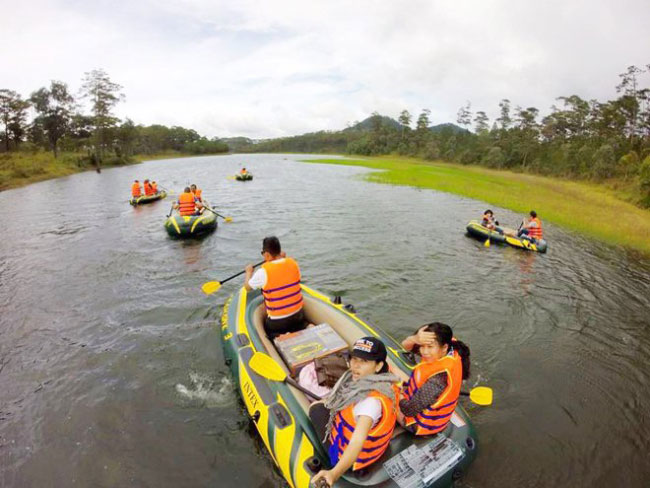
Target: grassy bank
{"x": 594, "y": 210}
{"x": 22, "y": 168}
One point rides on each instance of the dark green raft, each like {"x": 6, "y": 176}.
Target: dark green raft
{"x": 141, "y": 200}
{"x": 191, "y": 226}
{"x": 280, "y": 411}
{"x": 475, "y": 229}
{"x": 244, "y": 177}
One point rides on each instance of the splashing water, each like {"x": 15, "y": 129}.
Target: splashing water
{"x": 207, "y": 391}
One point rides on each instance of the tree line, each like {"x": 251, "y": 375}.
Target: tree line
{"x": 52, "y": 118}
{"x": 579, "y": 138}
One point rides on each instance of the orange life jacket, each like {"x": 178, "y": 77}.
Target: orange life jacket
{"x": 154, "y": 186}
{"x": 186, "y": 204}
{"x": 135, "y": 190}
{"x": 242, "y": 171}
{"x": 536, "y": 232}
{"x": 148, "y": 189}
{"x": 197, "y": 194}
{"x": 282, "y": 294}
{"x": 435, "y": 418}
{"x": 377, "y": 440}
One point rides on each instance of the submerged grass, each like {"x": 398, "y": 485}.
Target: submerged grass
{"x": 594, "y": 210}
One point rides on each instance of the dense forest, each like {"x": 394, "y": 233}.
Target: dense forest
{"x": 581, "y": 139}
{"x": 52, "y": 118}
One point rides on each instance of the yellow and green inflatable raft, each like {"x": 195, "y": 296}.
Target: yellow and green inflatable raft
{"x": 476, "y": 230}
{"x": 141, "y": 200}
{"x": 191, "y": 226}
{"x": 244, "y": 177}
{"x": 280, "y": 411}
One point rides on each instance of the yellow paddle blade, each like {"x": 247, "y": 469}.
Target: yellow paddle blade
{"x": 264, "y": 365}
{"x": 210, "y": 287}
{"x": 481, "y": 395}
{"x": 487, "y": 243}
{"x": 228, "y": 219}
{"x": 230, "y": 177}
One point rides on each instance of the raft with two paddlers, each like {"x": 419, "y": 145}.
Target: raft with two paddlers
{"x": 280, "y": 410}
{"x": 141, "y": 200}
{"x": 191, "y": 225}
{"x": 475, "y": 229}
{"x": 244, "y": 176}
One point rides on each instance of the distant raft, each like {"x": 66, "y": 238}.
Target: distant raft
{"x": 191, "y": 225}
{"x": 475, "y": 229}
{"x": 244, "y": 177}
{"x": 141, "y": 200}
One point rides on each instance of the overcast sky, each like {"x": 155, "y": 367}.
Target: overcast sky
{"x": 284, "y": 67}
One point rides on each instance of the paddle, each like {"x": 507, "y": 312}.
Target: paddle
{"x": 171, "y": 210}
{"x": 212, "y": 286}
{"x": 227, "y": 219}
{"x": 265, "y": 366}
{"x": 169, "y": 192}
{"x": 481, "y": 395}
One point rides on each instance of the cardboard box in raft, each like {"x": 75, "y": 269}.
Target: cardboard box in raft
{"x": 299, "y": 348}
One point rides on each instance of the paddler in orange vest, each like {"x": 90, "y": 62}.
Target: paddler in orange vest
{"x": 243, "y": 171}
{"x": 154, "y": 186}
{"x": 135, "y": 189}
{"x": 359, "y": 411}
{"x": 429, "y": 397}
{"x": 187, "y": 203}
{"x": 532, "y": 228}
{"x": 279, "y": 279}
{"x": 148, "y": 189}
{"x": 197, "y": 192}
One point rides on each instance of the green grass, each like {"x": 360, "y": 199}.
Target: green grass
{"x": 591, "y": 209}
{"x": 22, "y": 168}
{"x": 18, "y": 168}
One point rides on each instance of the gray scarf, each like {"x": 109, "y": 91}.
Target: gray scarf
{"x": 347, "y": 392}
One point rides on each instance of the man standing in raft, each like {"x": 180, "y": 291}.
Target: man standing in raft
{"x": 279, "y": 279}
{"x": 135, "y": 189}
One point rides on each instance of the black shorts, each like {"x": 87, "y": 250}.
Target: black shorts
{"x": 292, "y": 323}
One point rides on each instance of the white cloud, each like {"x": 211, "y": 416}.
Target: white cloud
{"x": 266, "y": 69}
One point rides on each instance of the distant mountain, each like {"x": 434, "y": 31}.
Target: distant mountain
{"x": 236, "y": 144}
{"x": 384, "y": 121}
{"x": 447, "y": 126}
{"x": 369, "y": 123}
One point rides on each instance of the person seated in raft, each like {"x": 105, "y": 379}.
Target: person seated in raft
{"x": 135, "y": 189}
{"x": 532, "y": 228}
{"x": 197, "y": 192}
{"x": 489, "y": 222}
{"x": 243, "y": 171}
{"x": 279, "y": 279}
{"x": 187, "y": 204}
{"x": 154, "y": 186}
{"x": 358, "y": 417}
{"x": 148, "y": 189}
{"x": 431, "y": 393}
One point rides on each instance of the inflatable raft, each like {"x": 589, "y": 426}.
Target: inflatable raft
{"x": 244, "y": 177}
{"x": 148, "y": 198}
{"x": 475, "y": 229}
{"x": 280, "y": 411}
{"x": 191, "y": 226}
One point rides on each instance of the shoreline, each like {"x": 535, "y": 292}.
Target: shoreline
{"x": 22, "y": 169}
{"x": 587, "y": 208}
